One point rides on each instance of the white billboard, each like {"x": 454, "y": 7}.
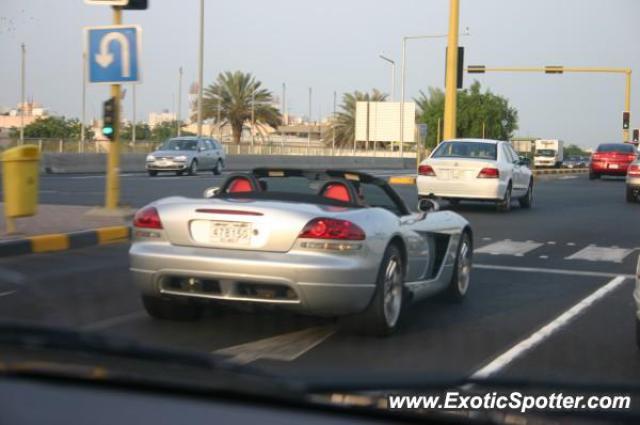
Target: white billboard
{"x": 380, "y": 121}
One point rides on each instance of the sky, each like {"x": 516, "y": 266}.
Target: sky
{"x": 333, "y": 45}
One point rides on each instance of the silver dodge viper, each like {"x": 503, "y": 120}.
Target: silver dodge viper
{"x": 330, "y": 243}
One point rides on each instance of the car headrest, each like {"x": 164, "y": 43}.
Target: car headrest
{"x": 239, "y": 183}
{"x": 339, "y": 190}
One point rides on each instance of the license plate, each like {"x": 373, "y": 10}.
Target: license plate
{"x": 231, "y": 232}
{"x": 614, "y": 166}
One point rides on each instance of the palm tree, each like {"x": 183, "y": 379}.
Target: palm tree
{"x": 344, "y": 123}
{"x": 234, "y": 93}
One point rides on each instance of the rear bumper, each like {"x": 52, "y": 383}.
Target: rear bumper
{"x": 633, "y": 182}
{"x": 481, "y": 189}
{"x": 604, "y": 167}
{"x": 315, "y": 282}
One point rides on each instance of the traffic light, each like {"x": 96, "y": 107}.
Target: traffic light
{"x": 109, "y": 118}
{"x": 460, "y": 66}
{"x": 636, "y": 136}
{"x": 136, "y": 5}
{"x": 626, "y": 115}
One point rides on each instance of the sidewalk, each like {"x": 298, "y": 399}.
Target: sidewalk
{"x": 61, "y": 227}
{"x": 54, "y": 219}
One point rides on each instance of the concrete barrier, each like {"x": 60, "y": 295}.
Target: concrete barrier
{"x": 63, "y": 163}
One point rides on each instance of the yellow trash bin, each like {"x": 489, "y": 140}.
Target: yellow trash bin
{"x": 20, "y": 176}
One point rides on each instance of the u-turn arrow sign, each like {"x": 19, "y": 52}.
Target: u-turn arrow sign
{"x": 113, "y": 53}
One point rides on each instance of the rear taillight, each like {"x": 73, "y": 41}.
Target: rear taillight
{"x": 489, "y": 173}
{"x": 426, "y": 170}
{"x": 631, "y": 157}
{"x": 634, "y": 170}
{"x": 330, "y": 228}
{"x": 147, "y": 218}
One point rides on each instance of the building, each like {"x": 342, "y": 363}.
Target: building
{"x": 10, "y": 117}
{"x": 156, "y": 118}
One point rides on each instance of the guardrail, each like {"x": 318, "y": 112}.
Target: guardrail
{"x": 245, "y": 148}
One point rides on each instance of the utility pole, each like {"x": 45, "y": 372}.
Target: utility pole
{"x": 22, "y": 91}
{"x": 200, "y": 68}
{"x": 179, "y": 102}
{"x": 285, "y": 118}
{"x": 393, "y": 74}
{"x": 451, "y": 89}
{"x": 84, "y": 101}
{"x": 113, "y": 160}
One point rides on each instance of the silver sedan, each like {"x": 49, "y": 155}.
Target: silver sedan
{"x": 633, "y": 181}
{"x": 186, "y": 154}
{"x": 328, "y": 243}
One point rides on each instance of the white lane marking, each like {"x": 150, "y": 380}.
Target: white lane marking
{"x": 546, "y": 331}
{"x": 568, "y": 177}
{"x": 5, "y": 293}
{"x": 551, "y": 242}
{"x": 113, "y": 321}
{"x": 508, "y": 247}
{"x": 571, "y": 244}
{"x": 601, "y": 253}
{"x": 286, "y": 347}
{"x": 544, "y": 257}
{"x": 550, "y": 271}
{"x": 486, "y": 239}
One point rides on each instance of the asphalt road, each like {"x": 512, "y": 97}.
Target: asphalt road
{"x": 532, "y": 270}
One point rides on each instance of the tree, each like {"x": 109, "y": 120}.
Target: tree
{"x": 474, "y": 109}
{"x": 143, "y": 132}
{"x": 574, "y": 150}
{"x": 53, "y": 128}
{"x": 344, "y": 123}
{"x": 166, "y": 130}
{"x": 233, "y": 93}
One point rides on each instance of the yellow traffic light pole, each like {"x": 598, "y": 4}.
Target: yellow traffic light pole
{"x": 479, "y": 69}
{"x": 451, "y": 89}
{"x": 112, "y": 192}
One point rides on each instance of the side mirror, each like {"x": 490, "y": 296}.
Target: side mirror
{"x": 202, "y": 149}
{"x": 427, "y": 205}
{"x": 211, "y": 192}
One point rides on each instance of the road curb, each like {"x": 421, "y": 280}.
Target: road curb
{"x": 57, "y": 242}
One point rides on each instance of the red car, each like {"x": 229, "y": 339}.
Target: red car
{"x": 612, "y": 159}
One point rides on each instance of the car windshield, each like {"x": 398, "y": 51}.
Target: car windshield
{"x": 466, "y": 150}
{"x": 546, "y": 152}
{"x": 329, "y": 202}
{"x": 179, "y": 145}
{"x": 616, "y": 147}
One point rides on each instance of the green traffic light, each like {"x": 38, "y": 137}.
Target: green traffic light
{"x": 107, "y": 131}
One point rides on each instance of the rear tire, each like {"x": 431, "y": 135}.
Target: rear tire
{"x": 153, "y": 173}
{"x": 384, "y": 313}
{"x": 593, "y": 176}
{"x": 459, "y": 284}
{"x": 505, "y": 204}
{"x": 166, "y": 309}
{"x": 217, "y": 170}
{"x": 527, "y": 200}
{"x": 631, "y": 196}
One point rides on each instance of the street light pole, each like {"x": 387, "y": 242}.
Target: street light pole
{"x": 451, "y": 89}
{"x": 179, "y": 102}
{"x": 200, "y": 68}
{"x": 393, "y": 74}
{"x": 253, "y": 116}
{"x": 84, "y": 101}
{"x": 22, "y": 91}
{"x": 133, "y": 113}
{"x": 309, "y": 127}
{"x": 403, "y": 77}
{"x": 333, "y": 126}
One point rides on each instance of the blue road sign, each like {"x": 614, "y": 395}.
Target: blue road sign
{"x": 113, "y": 54}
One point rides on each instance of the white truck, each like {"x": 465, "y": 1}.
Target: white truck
{"x": 548, "y": 153}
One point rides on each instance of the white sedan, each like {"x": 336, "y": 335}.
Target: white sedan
{"x": 476, "y": 170}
